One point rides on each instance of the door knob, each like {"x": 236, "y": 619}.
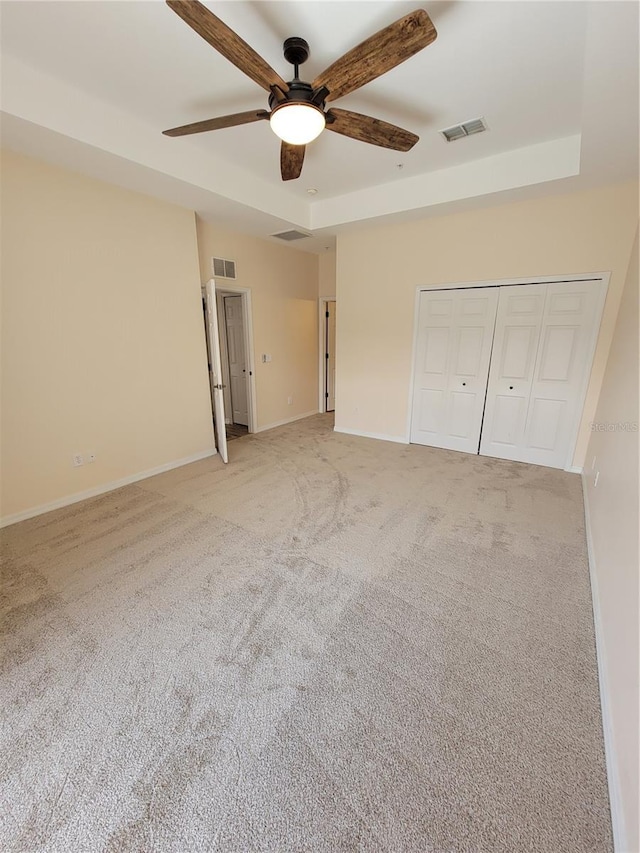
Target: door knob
{"x": 510, "y": 387}
{"x": 464, "y": 383}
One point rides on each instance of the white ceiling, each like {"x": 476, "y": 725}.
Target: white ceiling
{"x": 93, "y": 84}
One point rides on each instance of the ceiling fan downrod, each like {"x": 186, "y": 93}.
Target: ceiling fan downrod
{"x": 296, "y": 51}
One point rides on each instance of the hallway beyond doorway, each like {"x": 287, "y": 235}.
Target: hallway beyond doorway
{"x": 236, "y": 431}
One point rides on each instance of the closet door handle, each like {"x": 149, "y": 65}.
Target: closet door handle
{"x": 464, "y": 383}
{"x": 510, "y": 387}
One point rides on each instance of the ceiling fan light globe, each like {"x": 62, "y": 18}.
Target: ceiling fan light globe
{"x": 297, "y": 124}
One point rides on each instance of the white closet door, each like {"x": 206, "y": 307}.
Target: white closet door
{"x": 515, "y": 347}
{"x": 237, "y": 359}
{"x": 537, "y": 374}
{"x": 455, "y": 330}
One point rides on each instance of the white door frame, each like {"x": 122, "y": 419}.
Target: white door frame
{"x": 599, "y": 279}
{"x": 247, "y": 322}
{"x": 322, "y": 373}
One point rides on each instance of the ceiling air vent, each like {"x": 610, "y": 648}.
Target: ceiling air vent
{"x": 291, "y": 235}
{"x": 467, "y": 128}
{"x": 222, "y": 268}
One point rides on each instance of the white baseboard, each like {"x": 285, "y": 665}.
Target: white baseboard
{"x": 613, "y": 776}
{"x": 286, "y": 421}
{"x": 398, "y": 439}
{"x": 100, "y": 490}
{"x": 575, "y": 469}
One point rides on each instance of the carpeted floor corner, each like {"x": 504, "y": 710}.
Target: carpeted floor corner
{"x": 331, "y": 644}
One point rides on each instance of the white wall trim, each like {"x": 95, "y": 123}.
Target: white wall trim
{"x": 613, "y": 775}
{"x": 287, "y": 421}
{"x": 574, "y": 469}
{"x": 397, "y": 439}
{"x": 105, "y": 487}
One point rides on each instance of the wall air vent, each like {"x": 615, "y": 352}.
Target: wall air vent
{"x": 222, "y": 268}
{"x": 467, "y": 128}
{"x": 291, "y": 235}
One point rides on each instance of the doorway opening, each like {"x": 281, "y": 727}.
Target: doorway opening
{"x": 228, "y": 324}
{"x": 327, "y": 338}
{"x": 235, "y": 363}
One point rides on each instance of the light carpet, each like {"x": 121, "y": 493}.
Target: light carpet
{"x": 331, "y": 644}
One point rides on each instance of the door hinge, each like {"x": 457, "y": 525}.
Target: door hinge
{"x": 326, "y": 355}
{"x": 326, "y": 314}
{"x": 326, "y": 394}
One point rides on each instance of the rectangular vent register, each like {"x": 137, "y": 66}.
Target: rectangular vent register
{"x": 222, "y": 268}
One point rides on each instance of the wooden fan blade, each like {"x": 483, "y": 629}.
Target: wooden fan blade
{"x": 217, "y": 123}
{"x": 291, "y": 160}
{"x": 377, "y": 54}
{"x": 372, "y": 130}
{"x": 227, "y": 42}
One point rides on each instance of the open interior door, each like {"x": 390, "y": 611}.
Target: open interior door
{"x": 330, "y": 359}
{"x": 215, "y": 374}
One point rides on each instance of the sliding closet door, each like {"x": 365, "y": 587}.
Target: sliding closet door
{"x": 538, "y": 367}
{"x": 455, "y": 329}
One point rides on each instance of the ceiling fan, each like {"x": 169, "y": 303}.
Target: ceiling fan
{"x": 297, "y": 111}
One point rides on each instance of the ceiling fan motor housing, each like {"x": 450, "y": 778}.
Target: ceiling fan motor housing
{"x": 299, "y": 92}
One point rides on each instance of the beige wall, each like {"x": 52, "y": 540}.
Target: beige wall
{"x": 327, "y": 273}
{"x": 284, "y": 296}
{"x": 102, "y": 344}
{"x": 613, "y": 521}
{"x": 379, "y": 269}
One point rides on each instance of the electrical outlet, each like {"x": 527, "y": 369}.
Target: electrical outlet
{"x": 77, "y": 460}
{"x": 290, "y": 401}
{"x": 91, "y": 457}
{"x": 596, "y": 478}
